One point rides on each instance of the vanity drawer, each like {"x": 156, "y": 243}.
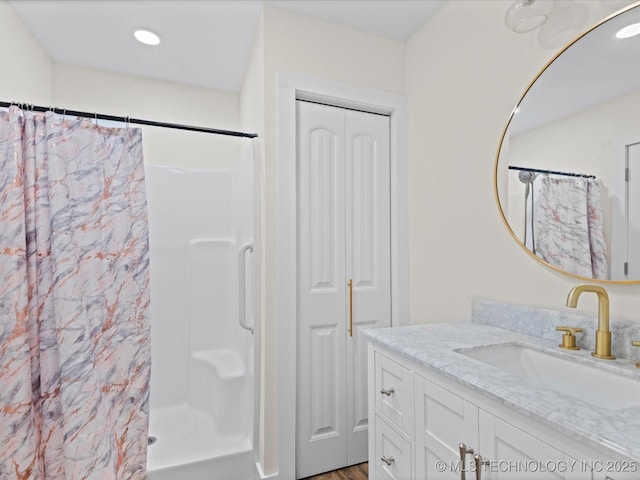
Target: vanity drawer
{"x": 394, "y": 392}
{"x": 392, "y": 459}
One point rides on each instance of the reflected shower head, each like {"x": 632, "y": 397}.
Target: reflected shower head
{"x": 526, "y": 176}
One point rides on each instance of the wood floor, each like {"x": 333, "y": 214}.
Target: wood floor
{"x": 354, "y": 472}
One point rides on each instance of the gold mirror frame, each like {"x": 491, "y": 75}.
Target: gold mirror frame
{"x": 500, "y": 145}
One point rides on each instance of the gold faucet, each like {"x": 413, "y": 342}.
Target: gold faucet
{"x": 603, "y": 335}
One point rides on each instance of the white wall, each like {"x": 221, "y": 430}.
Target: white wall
{"x": 465, "y": 71}
{"x": 583, "y": 142}
{"x": 30, "y": 76}
{"x": 27, "y": 70}
{"x": 293, "y": 43}
{"x": 124, "y": 95}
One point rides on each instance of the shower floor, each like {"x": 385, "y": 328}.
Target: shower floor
{"x": 185, "y": 435}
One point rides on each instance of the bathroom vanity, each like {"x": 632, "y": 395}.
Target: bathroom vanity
{"x": 496, "y": 397}
{"x": 471, "y": 401}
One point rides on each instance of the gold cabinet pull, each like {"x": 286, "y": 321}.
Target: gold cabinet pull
{"x": 351, "y": 307}
{"x": 636, "y": 344}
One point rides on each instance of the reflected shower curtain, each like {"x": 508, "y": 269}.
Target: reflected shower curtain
{"x": 74, "y": 296}
{"x": 569, "y": 226}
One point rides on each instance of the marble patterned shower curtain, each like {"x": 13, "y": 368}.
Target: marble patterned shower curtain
{"x": 74, "y": 297}
{"x": 569, "y": 226}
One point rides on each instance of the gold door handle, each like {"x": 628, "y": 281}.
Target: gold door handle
{"x": 351, "y": 307}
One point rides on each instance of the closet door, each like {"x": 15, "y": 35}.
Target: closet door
{"x": 322, "y": 294}
{"x": 368, "y": 263}
{"x": 343, "y": 278}
{"x": 632, "y": 209}
{"x": 625, "y": 212}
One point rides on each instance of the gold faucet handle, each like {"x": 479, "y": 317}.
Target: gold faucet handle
{"x": 569, "y": 338}
{"x": 636, "y": 344}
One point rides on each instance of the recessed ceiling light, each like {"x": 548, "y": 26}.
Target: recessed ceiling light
{"x": 629, "y": 31}
{"x": 147, "y": 37}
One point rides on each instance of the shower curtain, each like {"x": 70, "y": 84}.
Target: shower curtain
{"x": 569, "y": 226}
{"x": 74, "y": 296}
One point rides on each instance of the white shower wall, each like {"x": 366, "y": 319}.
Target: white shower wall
{"x": 197, "y": 221}
{"x": 202, "y": 377}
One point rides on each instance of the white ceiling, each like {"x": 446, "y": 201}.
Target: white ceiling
{"x": 595, "y": 69}
{"x": 205, "y": 43}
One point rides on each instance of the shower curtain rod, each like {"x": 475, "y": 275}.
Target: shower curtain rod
{"x": 137, "y": 121}
{"x": 552, "y": 172}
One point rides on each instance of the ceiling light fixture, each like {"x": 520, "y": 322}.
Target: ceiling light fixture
{"x": 527, "y": 15}
{"x": 629, "y": 31}
{"x": 147, "y": 37}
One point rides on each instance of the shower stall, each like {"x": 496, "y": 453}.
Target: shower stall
{"x": 202, "y": 408}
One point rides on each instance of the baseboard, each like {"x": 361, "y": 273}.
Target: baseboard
{"x": 261, "y": 474}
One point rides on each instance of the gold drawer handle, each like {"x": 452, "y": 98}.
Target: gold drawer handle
{"x": 636, "y": 344}
{"x": 387, "y": 391}
{"x": 389, "y": 461}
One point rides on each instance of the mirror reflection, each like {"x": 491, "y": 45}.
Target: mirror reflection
{"x": 568, "y": 173}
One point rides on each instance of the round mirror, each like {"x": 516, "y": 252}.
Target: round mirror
{"x": 567, "y": 174}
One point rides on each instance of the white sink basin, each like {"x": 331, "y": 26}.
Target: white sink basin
{"x": 597, "y": 386}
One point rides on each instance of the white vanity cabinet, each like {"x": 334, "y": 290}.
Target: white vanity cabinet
{"x": 444, "y": 420}
{"x": 420, "y": 418}
{"x": 392, "y": 453}
{"x": 394, "y": 392}
{"x": 514, "y": 454}
{"x": 391, "y": 427}
{"x": 616, "y": 470}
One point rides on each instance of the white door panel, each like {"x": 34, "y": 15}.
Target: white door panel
{"x": 368, "y": 249}
{"x": 344, "y": 233}
{"x": 633, "y": 213}
{"x": 321, "y": 375}
{"x": 625, "y": 201}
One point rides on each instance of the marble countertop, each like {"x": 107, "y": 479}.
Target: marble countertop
{"x": 434, "y": 347}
